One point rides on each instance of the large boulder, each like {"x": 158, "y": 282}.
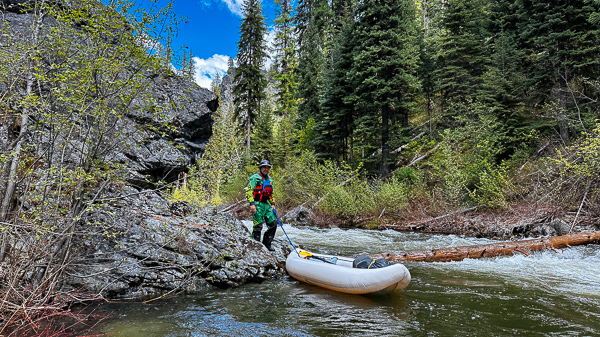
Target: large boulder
{"x": 137, "y": 246}
{"x": 130, "y": 241}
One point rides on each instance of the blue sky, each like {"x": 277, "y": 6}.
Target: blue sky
{"x": 212, "y": 32}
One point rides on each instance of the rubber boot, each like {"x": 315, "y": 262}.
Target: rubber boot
{"x": 256, "y": 231}
{"x": 270, "y": 234}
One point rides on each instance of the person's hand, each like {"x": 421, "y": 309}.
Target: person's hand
{"x": 252, "y": 209}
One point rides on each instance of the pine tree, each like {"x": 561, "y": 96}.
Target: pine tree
{"x": 562, "y": 46}
{"x": 285, "y": 51}
{"x": 335, "y": 121}
{"x": 216, "y": 84}
{"x": 504, "y": 81}
{"x": 230, "y": 66}
{"x": 384, "y": 71}
{"x": 315, "y": 12}
{"x": 428, "y": 10}
{"x": 314, "y": 35}
{"x": 262, "y": 133}
{"x": 188, "y": 69}
{"x": 310, "y": 75}
{"x": 460, "y": 58}
{"x": 285, "y": 136}
{"x": 249, "y": 80}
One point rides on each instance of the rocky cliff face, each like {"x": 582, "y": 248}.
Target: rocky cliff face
{"x": 163, "y": 153}
{"x": 151, "y": 151}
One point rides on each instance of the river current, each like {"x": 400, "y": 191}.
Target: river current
{"x": 544, "y": 294}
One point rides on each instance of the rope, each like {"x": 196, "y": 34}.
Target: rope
{"x": 275, "y": 213}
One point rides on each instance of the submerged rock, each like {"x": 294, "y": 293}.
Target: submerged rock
{"x": 298, "y": 216}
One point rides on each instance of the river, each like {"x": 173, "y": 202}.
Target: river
{"x": 544, "y": 294}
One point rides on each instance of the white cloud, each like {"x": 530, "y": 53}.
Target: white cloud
{"x": 207, "y": 69}
{"x": 235, "y": 6}
{"x": 270, "y": 38}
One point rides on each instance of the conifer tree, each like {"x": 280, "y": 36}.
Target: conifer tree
{"x": 308, "y": 12}
{"x": 188, "y": 70}
{"x": 230, "y": 66}
{"x": 314, "y": 34}
{"x": 335, "y": 121}
{"x": 285, "y": 137}
{"x": 384, "y": 72}
{"x": 310, "y": 75}
{"x": 504, "y": 81}
{"x": 285, "y": 49}
{"x": 460, "y": 58}
{"x": 263, "y": 134}
{"x": 562, "y": 45}
{"x": 249, "y": 80}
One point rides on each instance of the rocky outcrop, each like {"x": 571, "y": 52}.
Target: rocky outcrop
{"x": 162, "y": 153}
{"x": 157, "y": 138}
{"x": 137, "y": 247}
{"x": 299, "y": 216}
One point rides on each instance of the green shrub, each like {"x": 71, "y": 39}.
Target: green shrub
{"x": 406, "y": 174}
{"x": 392, "y": 195}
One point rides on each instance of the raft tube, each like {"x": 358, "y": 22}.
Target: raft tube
{"x": 338, "y": 274}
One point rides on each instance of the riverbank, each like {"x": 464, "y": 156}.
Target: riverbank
{"x": 545, "y": 293}
{"x": 517, "y": 222}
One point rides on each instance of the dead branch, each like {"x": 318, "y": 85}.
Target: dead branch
{"x": 434, "y": 219}
{"x": 407, "y": 144}
{"x": 232, "y": 206}
{"x": 580, "y": 206}
{"x": 323, "y": 197}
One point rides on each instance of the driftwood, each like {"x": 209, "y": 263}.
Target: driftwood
{"x": 232, "y": 206}
{"x": 407, "y": 144}
{"x": 494, "y": 249}
{"x": 419, "y": 158}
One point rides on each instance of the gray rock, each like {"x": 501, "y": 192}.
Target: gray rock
{"x": 133, "y": 242}
{"x": 141, "y": 250}
{"x": 561, "y": 227}
{"x": 298, "y": 216}
{"x": 543, "y": 230}
{"x": 140, "y": 140}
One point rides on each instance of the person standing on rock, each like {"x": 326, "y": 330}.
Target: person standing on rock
{"x": 260, "y": 196}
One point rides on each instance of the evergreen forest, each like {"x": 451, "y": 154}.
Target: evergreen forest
{"x": 412, "y": 109}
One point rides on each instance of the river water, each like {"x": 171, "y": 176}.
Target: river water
{"x": 544, "y": 294}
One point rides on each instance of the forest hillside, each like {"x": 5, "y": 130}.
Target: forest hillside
{"x": 461, "y": 116}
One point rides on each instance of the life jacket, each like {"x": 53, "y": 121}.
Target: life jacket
{"x": 264, "y": 191}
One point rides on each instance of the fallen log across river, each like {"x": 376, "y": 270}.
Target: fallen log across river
{"x": 493, "y": 249}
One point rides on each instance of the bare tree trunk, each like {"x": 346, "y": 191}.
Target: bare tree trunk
{"x": 12, "y": 176}
{"x": 563, "y": 121}
{"x": 384, "y": 169}
{"x": 492, "y": 250}
{"x": 248, "y": 131}
{"x": 16, "y": 154}
{"x": 11, "y": 181}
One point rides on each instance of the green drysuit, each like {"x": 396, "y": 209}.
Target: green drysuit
{"x": 264, "y": 212}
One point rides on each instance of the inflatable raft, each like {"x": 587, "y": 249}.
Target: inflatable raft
{"x": 337, "y": 273}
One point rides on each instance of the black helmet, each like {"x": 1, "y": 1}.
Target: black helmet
{"x": 264, "y": 163}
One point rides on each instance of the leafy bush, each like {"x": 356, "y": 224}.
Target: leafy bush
{"x": 393, "y": 195}
{"x": 407, "y": 174}
{"x": 467, "y": 164}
